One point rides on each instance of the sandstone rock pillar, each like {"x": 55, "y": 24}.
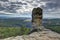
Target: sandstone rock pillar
{"x": 36, "y": 17}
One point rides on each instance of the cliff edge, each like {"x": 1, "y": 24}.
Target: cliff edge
{"x": 45, "y": 34}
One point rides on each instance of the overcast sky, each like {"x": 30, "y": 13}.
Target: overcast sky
{"x": 23, "y": 8}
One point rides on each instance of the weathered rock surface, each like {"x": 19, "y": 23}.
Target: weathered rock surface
{"x": 45, "y": 34}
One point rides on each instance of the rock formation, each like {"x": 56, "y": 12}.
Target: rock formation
{"x": 36, "y": 18}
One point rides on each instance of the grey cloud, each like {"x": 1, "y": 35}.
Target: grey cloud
{"x": 19, "y": 3}
{"x": 8, "y": 9}
{"x": 51, "y": 5}
{"x": 4, "y": 14}
{"x": 4, "y": 0}
{"x": 30, "y": 1}
{"x": 48, "y": 0}
{"x": 11, "y": 6}
{"x": 2, "y": 8}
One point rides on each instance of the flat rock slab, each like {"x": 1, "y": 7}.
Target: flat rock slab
{"x": 45, "y": 34}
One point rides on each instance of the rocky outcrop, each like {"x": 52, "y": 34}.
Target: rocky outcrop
{"x": 45, "y": 34}
{"x": 37, "y": 16}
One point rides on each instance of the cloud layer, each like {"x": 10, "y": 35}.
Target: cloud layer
{"x": 51, "y": 8}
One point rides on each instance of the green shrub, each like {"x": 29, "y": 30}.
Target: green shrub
{"x": 13, "y": 31}
{"x": 54, "y": 28}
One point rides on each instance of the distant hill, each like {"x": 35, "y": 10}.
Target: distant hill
{"x": 55, "y": 21}
{"x": 15, "y": 22}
